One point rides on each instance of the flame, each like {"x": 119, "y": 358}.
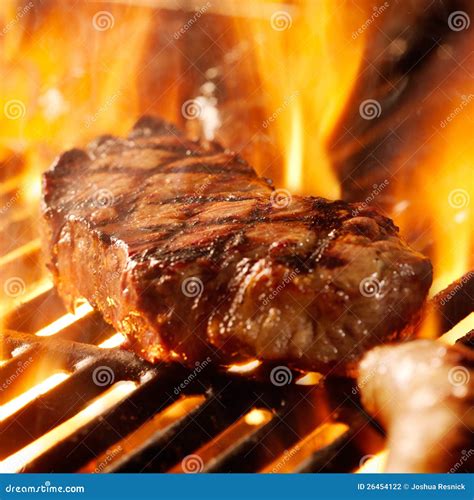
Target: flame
{"x": 110, "y": 398}
{"x": 307, "y": 63}
{"x": 323, "y": 436}
{"x": 65, "y": 80}
{"x": 64, "y": 321}
{"x": 13, "y": 262}
{"x": 247, "y": 367}
{"x": 31, "y": 394}
{"x": 373, "y": 463}
{"x": 68, "y": 75}
{"x": 441, "y": 203}
{"x": 310, "y": 378}
{"x": 459, "y": 330}
{"x": 30, "y": 247}
{"x": 115, "y": 340}
{"x": 244, "y": 428}
{"x": 163, "y": 420}
{"x": 257, "y": 417}
{"x": 57, "y": 95}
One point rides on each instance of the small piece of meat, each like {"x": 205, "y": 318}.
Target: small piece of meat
{"x": 184, "y": 249}
{"x": 423, "y": 393}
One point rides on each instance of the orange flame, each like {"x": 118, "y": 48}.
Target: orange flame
{"x": 440, "y": 194}
{"x": 66, "y": 78}
{"x": 64, "y": 83}
{"x": 16, "y": 404}
{"x": 100, "y": 405}
{"x": 307, "y": 62}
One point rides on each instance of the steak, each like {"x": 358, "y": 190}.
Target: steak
{"x": 184, "y": 249}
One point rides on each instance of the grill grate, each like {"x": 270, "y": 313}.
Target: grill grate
{"x": 106, "y": 410}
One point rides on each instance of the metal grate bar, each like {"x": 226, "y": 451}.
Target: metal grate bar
{"x": 155, "y": 429}
{"x": 212, "y": 456}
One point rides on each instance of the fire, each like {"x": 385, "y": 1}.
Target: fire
{"x": 68, "y": 75}
{"x": 440, "y": 202}
{"x": 115, "y": 340}
{"x": 64, "y": 321}
{"x": 248, "y": 367}
{"x": 323, "y": 436}
{"x": 310, "y": 378}
{"x": 170, "y": 416}
{"x": 83, "y": 76}
{"x": 14, "y": 405}
{"x": 309, "y": 57}
{"x": 307, "y": 62}
{"x": 243, "y": 429}
{"x": 373, "y": 463}
{"x": 458, "y": 331}
{"x": 65, "y": 81}
{"x": 257, "y": 417}
{"x": 100, "y": 405}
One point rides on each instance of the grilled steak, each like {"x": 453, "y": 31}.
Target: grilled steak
{"x": 188, "y": 252}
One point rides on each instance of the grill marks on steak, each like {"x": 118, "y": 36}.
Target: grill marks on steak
{"x": 180, "y": 246}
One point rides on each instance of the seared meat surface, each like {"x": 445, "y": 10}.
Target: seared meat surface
{"x": 188, "y": 252}
{"x": 423, "y": 393}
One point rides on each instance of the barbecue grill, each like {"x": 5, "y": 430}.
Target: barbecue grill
{"x": 114, "y": 412}
{"x": 71, "y": 398}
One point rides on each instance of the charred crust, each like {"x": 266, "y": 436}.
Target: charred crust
{"x": 208, "y": 235}
{"x": 66, "y": 160}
